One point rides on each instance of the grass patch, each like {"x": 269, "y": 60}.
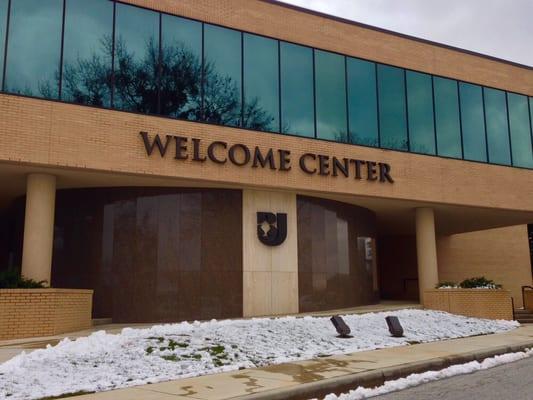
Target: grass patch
{"x": 171, "y": 357}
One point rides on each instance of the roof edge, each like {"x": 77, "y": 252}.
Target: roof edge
{"x": 394, "y": 33}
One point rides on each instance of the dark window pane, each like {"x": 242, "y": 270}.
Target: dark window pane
{"x": 297, "y": 107}
{"x": 261, "y": 83}
{"x": 392, "y": 110}
{"x": 497, "y": 127}
{"x": 520, "y": 130}
{"x": 473, "y": 122}
{"x": 447, "y": 118}
{"x": 34, "y": 47}
{"x": 3, "y": 24}
{"x": 420, "y": 112}
{"x": 222, "y": 101}
{"x": 136, "y": 59}
{"x": 88, "y": 45}
{"x": 181, "y": 67}
{"x": 362, "y": 102}
{"x": 331, "y": 122}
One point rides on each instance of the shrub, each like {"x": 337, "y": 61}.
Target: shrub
{"x": 479, "y": 283}
{"x": 12, "y": 279}
{"x": 470, "y": 283}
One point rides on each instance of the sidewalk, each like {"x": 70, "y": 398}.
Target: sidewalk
{"x": 306, "y": 379}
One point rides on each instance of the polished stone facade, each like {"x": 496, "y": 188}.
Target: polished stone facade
{"x": 336, "y": 255}
{"x": 151, "y": 254}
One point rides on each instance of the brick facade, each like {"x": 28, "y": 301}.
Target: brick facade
{"x": 92, "y": 147}
{"x": 43, "y": 312}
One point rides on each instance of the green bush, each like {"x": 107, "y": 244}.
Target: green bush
{"x": 479, "y": 282}
{"x": 470, "y": 283}
{"x": 12, "y": 279}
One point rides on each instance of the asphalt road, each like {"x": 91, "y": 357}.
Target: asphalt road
{"x": 512, "y": 381}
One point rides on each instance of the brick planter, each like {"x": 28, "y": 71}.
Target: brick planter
{"x": 479, "y": 303}
{"x": 43, "y": 312}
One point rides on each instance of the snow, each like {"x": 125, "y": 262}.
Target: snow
{"x": 490, "y": 286}
{"x": 429, "y": 376}
{"x": 105, "y": 361}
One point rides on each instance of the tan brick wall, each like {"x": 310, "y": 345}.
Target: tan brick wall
{"x": 68, "y": 136}
{"x": 284, "y": 23}
{"x": 499, "y": 254}
{"x": 479, "y": 303}
{"x": 43, "y": 312}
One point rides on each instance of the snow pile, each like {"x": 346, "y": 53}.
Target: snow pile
{"x": 429, "y": 376}
{"x": 104, "y": 361}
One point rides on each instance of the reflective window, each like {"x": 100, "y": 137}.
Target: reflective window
{"x": 3, "y": 24}
{"x": 520, "y": 130}
{"x": 87, "y": 51}
{"x": 261, "y": 83}
{"x": 392, "y": 109}
{"x": 497, "y": 127}
{"x": 136, "y": 59}
{"x": 297, "y": 105}
{"x": 473, "y": 122}
{"x": 420, "y": 112}
{"x": 362, "y": 102}
{"x": 34, "y": 48}
{"x": 448, "y": 125}
{"x": 331, "y": 122}
{"x": 181, "y": 67}
{"x": 222, "y": 84}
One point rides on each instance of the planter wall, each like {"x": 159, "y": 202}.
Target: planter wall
{"x": 479, "y": 303}
{"x": 528, "y": 299}
{"x": 43, "y": 312}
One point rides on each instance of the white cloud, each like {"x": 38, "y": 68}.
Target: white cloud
{"x": 500, "y": 28}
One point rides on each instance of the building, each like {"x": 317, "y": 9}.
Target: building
{"x": 200, "y": 159}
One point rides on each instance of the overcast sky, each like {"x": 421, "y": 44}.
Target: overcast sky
{"x": 500, "y": 28}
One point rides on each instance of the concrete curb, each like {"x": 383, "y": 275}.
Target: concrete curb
{"x": 348, "y": 382}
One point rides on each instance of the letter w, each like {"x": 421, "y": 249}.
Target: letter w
{"x": 157, "y": 142}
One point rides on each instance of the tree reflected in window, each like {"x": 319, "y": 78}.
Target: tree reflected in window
{"x": 180, "y": 79}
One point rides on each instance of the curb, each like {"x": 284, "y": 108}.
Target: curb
{"x": 342, "y": 384}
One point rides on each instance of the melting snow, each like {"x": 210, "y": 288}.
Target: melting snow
{"x": 105, "y": 361}
{"x": 429, "y": 376}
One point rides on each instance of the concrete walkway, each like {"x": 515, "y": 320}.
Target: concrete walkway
{"x": 306, "y": 379}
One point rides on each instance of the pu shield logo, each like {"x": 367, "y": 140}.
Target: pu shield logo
{"x": 271, "y": 228}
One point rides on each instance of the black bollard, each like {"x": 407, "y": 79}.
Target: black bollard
{"x": 342, "y": 329}
{"x": 395, "y": 328}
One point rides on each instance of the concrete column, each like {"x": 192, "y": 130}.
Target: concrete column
{"x": 39, "y": 227}
{"x": 426, "y": 250}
